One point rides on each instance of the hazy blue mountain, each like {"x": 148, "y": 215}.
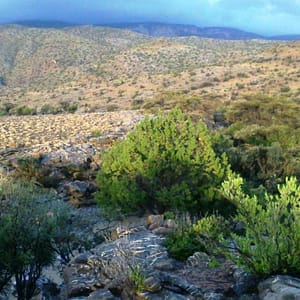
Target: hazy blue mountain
{"x": 291, "y": 37}
{"x": 44, "y": 24}
{"x": 169, "y": 30}
{"x": 176, "y": 30}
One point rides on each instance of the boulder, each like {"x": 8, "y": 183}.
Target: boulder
{"x": 101, "y": 294}
{"x": 155, "y": 221}
{"x": 244, "y": 282}
{"x": 108, "y": 265}
{"x": 78, "y": 193}
{"x": 279, "y": 288}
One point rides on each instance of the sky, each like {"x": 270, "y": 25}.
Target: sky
{"x": 267, "y": 17}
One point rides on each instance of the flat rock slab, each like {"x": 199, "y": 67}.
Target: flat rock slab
{"x": 280, "y": 288}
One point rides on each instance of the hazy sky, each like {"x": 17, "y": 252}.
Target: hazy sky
{"x": 260, "y": 16}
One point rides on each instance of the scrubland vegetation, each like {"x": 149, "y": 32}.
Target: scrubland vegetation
{"x": 224, "y": 164}
{"x": 171, "y": 165}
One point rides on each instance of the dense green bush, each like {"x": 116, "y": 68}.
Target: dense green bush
{"x": 29, "y": 219}
{"x": 271, "y": 241}
{"x": 205, "y": 235}
{"x": 166, "y": 163}
{"x": 49, "y": 109}
{"x": 265, "y": 136}
{"x": 183, "y": 243}
{"x": 68, "y": 105}
{"x": 23, "y": 110}
{"x": 5, "y": 108}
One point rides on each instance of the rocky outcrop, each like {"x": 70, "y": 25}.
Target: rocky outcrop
{"x": 137, "y": 266}
{"x": 279, "y": 288}
{"x": 62, "y": 151}
{"x": 78, "y": 193}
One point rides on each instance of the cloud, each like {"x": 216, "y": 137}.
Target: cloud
{"x": 262, "y": 16}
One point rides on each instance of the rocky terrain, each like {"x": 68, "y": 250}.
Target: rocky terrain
{"x": 48, "y": 133}
{"x": 62, "y": 150}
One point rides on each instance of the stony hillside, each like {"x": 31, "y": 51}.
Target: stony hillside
{"x": 33, "y": 135}
{"x": 106, "y": 69}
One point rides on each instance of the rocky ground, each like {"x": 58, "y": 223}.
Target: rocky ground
{"x": 48, "y": 133}
{"x": 62, "y": 151}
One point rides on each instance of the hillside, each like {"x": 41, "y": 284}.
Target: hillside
{"x": 105, "y": 69}
{"x": 179, "y": 30}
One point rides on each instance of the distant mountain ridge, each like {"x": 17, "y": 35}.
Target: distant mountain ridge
{"x": 177, "y": 30}
{"x": 156, "y": 29}
{"x": 44, "y": 24}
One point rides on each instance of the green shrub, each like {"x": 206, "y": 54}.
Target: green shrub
{"x": 68, "y": 106}
{"x": 96, "y": 133}
{"x": 166, "y": 163}
{"x": 206, "y": 84}
{"x": 29, "y": 219}
{"x": 183, "y": 243}
{"x": 23, "y": 110}
{"x": 28, "y": 168}
{"x": 261, "y": 151}
{"x": 210, "y": 231}
{"x": 271, "y": 241}
{"x": 49, "y": 109}
{"x": 285, "y": 89}
{"x": 137, "y": 277}
{"x": 6, "y": 108}
{"x": 205, "y": 235}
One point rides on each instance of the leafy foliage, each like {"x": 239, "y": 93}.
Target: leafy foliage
{"x": 28, "y": 226}
{"x": 23, "y": 110}
{"x": 204, "y": 235}
{"x": 272, "y": 228}
{"x": 166, "y": 163}
{"x": 137, "y": 277}
{"x": 265, "y": 139}
{"x": 183, "y": 243}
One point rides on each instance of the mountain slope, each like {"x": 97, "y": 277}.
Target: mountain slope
{"x": 31, "y": 54}
{"x": 177, "y": 30}
{"x": 101, "y": 68}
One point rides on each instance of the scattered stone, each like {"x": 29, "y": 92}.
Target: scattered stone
{"x": 155, "y": 221}
{"x": 198, "y": 259}
{"x": 162, "y": 230}
{"x": 101, "y": 294}
{"x": 168, "y": 265}
{"x": 177, "y": 283}
{"x": 78, "y": 193}
{"x": 244, "y": 282}
{"x": 171, "y": 224}
{"x": 279, "y": 288}
{"x": 152, "y": 284}
{"x": 213, "y": 296}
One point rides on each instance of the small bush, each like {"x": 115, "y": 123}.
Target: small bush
{"x": 23, "y": 110}
{"x": 29, "y": 219}
{"x": 69, "y": 106}
{"x": 137, "y": 277}
{"x": 272, "y": 229}
{"x": 206, "y": 84}
{"x": 183, "y": 243}
{"x": 96, "y": 133}
{"x": 166, "y": 163}
{"x": 205, "y": 235}
{"x": 285, "y": 89}
{"x": 48, "y": 109}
